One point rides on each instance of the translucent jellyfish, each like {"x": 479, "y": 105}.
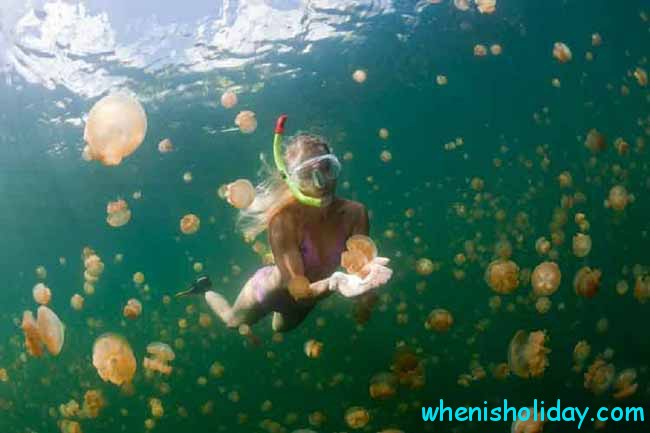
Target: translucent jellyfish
{"x": 546, "y": 278}
{"x": 240, "y": 193}
{"x": 51, "y": 330}
{"x": 599, "y": 376}
{"x": 486, "y": 6}
{"x": 424, "y": 267}
{"x": 542, "y": 246}
{"x": 527, "y": 355}
{"x": 587, "y": 281}
{"x": 581, "y": 352}
{"x": 383, "y": 386}
{"x": 132, "y": 309}
{"x": 625, "y": 384}
{"x": 361, "y": 250}
{"x": 641, "y": 76}
{"x": 595, "y": 141}
{"x": 42, "y": 294}
{"x": 160, "y": 355}
{"x": 386, "y": 156}
{"x": 642, "y": 288}
{"x": 581, "y": 245}
{"x": 439, "y": 320}
{"x": 41, "y": 272}
{"x": 357, "y": 417}
{"x": 165, "y": 146}
{"x": 383, "y": 134}
{"x": 462, "y": 5}
{"x": 618, "y": 198}
{"x": 408, "y": 368}
{"x": 217, "y": 369}
{"x": 480, "y": 50}
{"x": 94, "y": 265}
{"x": 596, "y": 39}
{"x": 116, "y": 126}
{"x": 190, "y": 224}
{"x": 77, "y": 302}
{"x": 543, "y": 305}
{"x": 33, "y": 343}
{"x": 561, "y": 52}
{"x": 118, "y": 213}
{"x": 496, "y": 49}
{"x": 187, "y": 177}
{"x": 441, "y": 80}
{"x": 113, "y": 359}
{"x": 313, "y": 348}
{"x": 246, "y": 121}
{"x": 533, "y": 424}
{"x": 502, "y": 276}
{"x": 68, "y": 426}
{"x": 228, "y": 99}
{"x": 360, "y": 76}
{"x": 138, "y": 278}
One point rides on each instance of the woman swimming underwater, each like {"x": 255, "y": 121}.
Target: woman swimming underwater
{"x": 307, "y": 230}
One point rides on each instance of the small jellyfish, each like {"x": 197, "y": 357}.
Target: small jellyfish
{"x": 115, "y": 128}
{"x": 217, "y": 369}
{"x": 386, "y": 156}
{"x": 246, "y": 121}
{"x": 561, "y": 52}
{"x": 360, "y": 76}
{"x": 439, "y": 320}
{"x": 138, "y": 278}
{"x": 68, "y": 426}
{"x": 595, "y": 141}
{"x": 542, "y": 246}
{"x": 240, "y": 193}
{"x": 118, "y": 213}
{"x": 543, "y": 305}
{"x": 383, "y": 134}
{"x": 383, "y": 386}
{"x": 132, "y": 309}
{"x": 533, "y": 424}
{"x": 641, "y": 76}
{"x": 228, "y": 99}
{"x": 41, "y": 272}
{"x": 502, "y": 276}
{"x": 599, "y": 376}
{"x": 190, "y": 224}
{"x": 424, "y": 267}
{"x": 618, "y": 198}
{"x": 165, "y": 146}
{"x": 33, "y": 343}
{"x": 546, "y": 278}
{"x": 480, "y": 50}
{"x": 596, "y": 40}
{"x": 187, "y": 177}
{"x": 313, "y": 348}
{"x": 587, "y": 282}
{"x": 42, "y": 294}
{"x": 160, "y": 355}
{"x": 486, "y": 6}
{"x": 357, "y": 417}
{"x": 77, "y": 302}
{"x": 441, "y": 80}
{"x": 496, "y": 49}
{"x": 408, "y": 367}
{"x": 527, "y": 354}
{"x": 462, "y": 5}
{"x": 50, "y": 329}
{"x": 642, "y": 288}
{"x": 113, "y": 359}
{"x": 625, "y": 384}
{"x": 581, "y": 352}
{"x": 581, "y": 245}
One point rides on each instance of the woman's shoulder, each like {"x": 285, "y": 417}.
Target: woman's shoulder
{"x": 350, "y": 206}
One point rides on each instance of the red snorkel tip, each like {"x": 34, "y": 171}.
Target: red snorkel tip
{"x": 279, "y": 124}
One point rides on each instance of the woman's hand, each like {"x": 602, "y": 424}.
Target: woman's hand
{"x": 351, "y": 285}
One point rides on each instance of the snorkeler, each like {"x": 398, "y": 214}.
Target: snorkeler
{"x": 307, "y": 230}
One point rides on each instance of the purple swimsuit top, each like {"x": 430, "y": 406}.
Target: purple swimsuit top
{"x": 313, "y": 262}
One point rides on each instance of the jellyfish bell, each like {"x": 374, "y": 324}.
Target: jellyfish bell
{"x": 118, "y": 213}
{"x": 527, "y": 354}
{"x": 546, "y": 278}
{"x": 562, "y": 52}
{"x": 228, "y": 99}
{"x": 132, "y": 309}
{"x": 299, "y": 287}
{"x": 486, "y": 6}
{"x": 246, "y": 121}
{"x": 114, "y": 360}
{"x": 51, "y": 330}
{"x": 360, "y": 76}
{"x": 587, "y": 281}
{"x": 581, "y": 245}
{"x": 42, "y": 294}
{"x": 618, "y": 198}
{"x": 33, "y": 343}
{"x": 439, "y": 320}
{"x": 115, "y": 128}
{"x": 595, "y": 141}
{"x": 190, "y": 224}
{"x": 165, "y": 146}
{"x": 502, "y": 276}
{"x": 599, "y": 376}
{"x": 313, "y": 348}
{"x": 361, "y": 250}
{"x": 357, "y": 417}
{"x": 533, "y": 424}
{"x": 240, "y": 193}
{"x": 383, "y": 386}
{"x": 161, "y": 351}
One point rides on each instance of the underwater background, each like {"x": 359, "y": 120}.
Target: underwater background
{"x": 472, "y": 169}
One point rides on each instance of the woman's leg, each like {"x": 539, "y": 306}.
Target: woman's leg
{"x": 250, "y": 305}
{"x": 288, "y": 320}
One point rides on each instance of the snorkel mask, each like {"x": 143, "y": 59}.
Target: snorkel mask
{"x": 317, "y": 171}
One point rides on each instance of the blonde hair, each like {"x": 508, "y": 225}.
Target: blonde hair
{"x": 272, "y": 195}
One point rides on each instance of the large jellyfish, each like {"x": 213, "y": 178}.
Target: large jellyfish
{"x": 527, "y": 354}
{"x": 116, "y": 126}
{"x": 546, "y": 278}
{"x": 502, "y": 276}
{"x": 240, "y": 193}
{"x": 587, "y": 282}
{"x": 51, "y": 330}
{"x": 33, "y": 343}
{"x": 113, "y": 359}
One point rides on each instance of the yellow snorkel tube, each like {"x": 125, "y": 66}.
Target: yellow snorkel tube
{"x": 282, "y": 168}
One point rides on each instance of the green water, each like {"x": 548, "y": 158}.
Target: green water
{"x": 53, "y": 204}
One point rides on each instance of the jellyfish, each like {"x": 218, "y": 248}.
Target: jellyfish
{"x": 299, "y": 287}
{"x": 361, "y": 250}
{"x": 641, "y": 76}
{"x": 156, "y": 407}
{"x": 132, "y": 309}
{"x": 642, "y": 288}
{"x": 359, "y": 76}
{"x": 527, "y": 354}
{"x": 77, "y": 302}
{"x": 160, "y": 357}
{"x": 596, "y": 39}
{"x": 442, "y": 80}
{"x": 618, "y": 198}
{"x": 542, "y": 246}
{"x": 581, "y": 245}
{"x": 386, "y": 156}
{"x": 33, "y": 343}
{"x": 240, "y": 193}
{"x": 68, "y": 426}
{"x": 41, "y": 272}
{"x": 502, "y": 276}
{"x": 595, "y": 141}
{"x": 383, "y": 134}
{"x": 581, "y": 352}
{"x": 561, "y": 52}
{"x": 496, "y": 49}
{"x": 357, "y": 417}
{"x": 486, "y": 6}
{"x": 533, "y": 424}
{"x": 587, "y": 281}
{"x": 190, "y": 224}
{"x": 383, "y": 386}
{"x": 599, "y": 376}
{"x": 93, "y": 404}
{"x": 408, "y": 368}
{"x": 462, "y": 5}
{"x": 625, "y": 384}
{"x": 439, "y": 320}
{"x": 543, "y": 305}
{"x": 94, "y": 265}
{"x": 113, "y": 359}
{"x": 546, "y": 278}
{"x": 118, "y": 213}
{"x": 165, "y": 146}
{"x": 50, "y": 329}
{"x": 187, "y": 177}
{"x": 424, "y": 267}
{"x": 42, "y": 294}
{"x": 246, "y": 121}
{"x": 217, "y": 369}
{"x": 228, "y": 99}
{"x": 480, "y": 50}
{"x": 115, "y": 128}
{"x": 313, "y": 348}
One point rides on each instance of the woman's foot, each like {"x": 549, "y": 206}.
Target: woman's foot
{"x": 220, "y": 306}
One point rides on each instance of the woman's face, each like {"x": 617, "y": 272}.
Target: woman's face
{"x": 315, "y": 172}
